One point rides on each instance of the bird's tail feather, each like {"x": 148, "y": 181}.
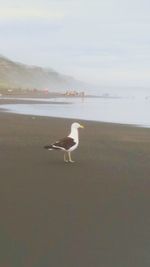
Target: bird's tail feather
{"x": 49, "y": 147}
{"x": 52, "y": 147}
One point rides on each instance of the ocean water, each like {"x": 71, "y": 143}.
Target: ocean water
{"x": 129, "y": 110}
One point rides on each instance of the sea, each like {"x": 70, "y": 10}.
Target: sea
{"x": 124, "y": 110}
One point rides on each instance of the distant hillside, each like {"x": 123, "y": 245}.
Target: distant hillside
{"x": 17, "y": 75}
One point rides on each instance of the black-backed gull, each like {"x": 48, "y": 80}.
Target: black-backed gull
{"x": 67, "y": 144}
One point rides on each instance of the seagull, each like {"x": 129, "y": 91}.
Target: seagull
{"x": 67, "y": 144}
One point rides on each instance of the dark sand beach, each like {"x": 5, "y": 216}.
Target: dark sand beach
{"x": 93, "y": 213}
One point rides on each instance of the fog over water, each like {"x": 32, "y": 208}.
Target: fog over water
{"x": 105, "y": 43}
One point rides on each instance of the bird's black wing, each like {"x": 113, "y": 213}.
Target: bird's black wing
{"x": 64, "y": 143}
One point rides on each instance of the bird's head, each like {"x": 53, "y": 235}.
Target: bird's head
{"x": 76, "y": 125}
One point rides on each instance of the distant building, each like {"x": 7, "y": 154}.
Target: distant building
{"x": 74, "y": 93}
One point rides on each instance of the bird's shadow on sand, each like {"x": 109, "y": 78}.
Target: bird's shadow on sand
{"x": 56, "y": 162}
{"x": 61, "y": 163}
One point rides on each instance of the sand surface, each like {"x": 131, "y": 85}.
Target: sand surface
{"x": 93, "y": 213}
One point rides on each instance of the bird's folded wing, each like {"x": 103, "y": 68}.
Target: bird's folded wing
{"x": 64, "y": 143}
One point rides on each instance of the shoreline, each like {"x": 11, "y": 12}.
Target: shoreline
{"x": 28, "y": 101}
{"x": 36, "y": 101}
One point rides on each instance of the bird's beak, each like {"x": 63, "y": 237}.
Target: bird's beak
{"x": 81, "y": 126}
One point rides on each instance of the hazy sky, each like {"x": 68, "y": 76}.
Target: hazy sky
{"x": 103, "y": 42}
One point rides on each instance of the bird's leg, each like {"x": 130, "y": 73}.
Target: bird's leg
{"x": 69, "y": 155}
{"x": 65, "y": 159}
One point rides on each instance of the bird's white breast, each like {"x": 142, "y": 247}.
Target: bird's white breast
{"x": 74, "y": 134}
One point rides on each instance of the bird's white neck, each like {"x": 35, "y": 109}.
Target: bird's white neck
{"x": 74, "y": 134}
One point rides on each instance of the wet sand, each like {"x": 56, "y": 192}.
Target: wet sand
{"x": 93, "y": 213}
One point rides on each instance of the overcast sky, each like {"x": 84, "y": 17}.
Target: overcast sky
{"x": 106, "y": 43}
